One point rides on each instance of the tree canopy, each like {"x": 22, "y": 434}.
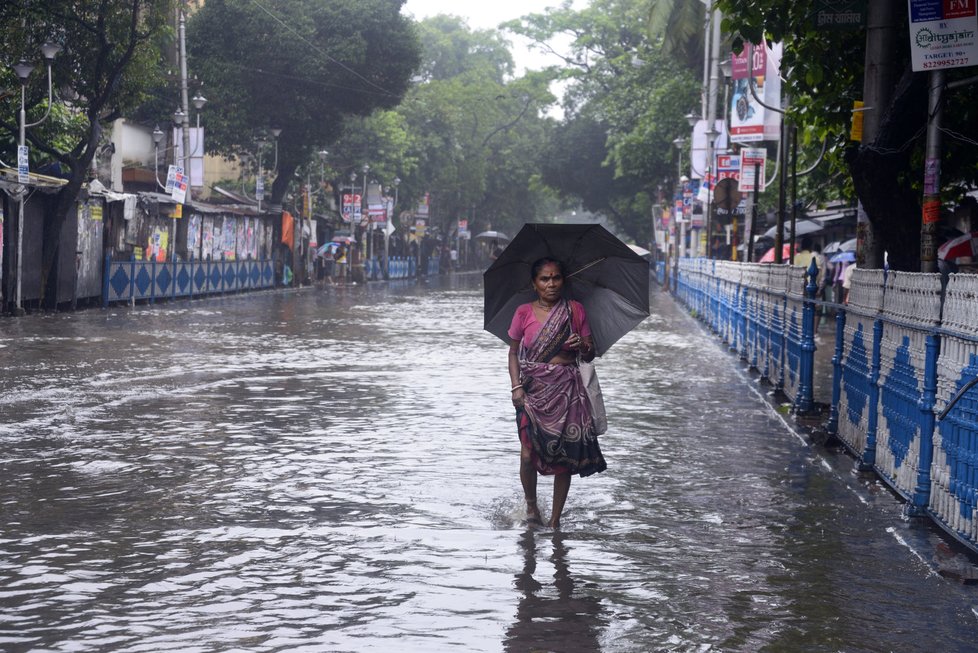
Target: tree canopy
{"x": 824, "y": 72}
{"x": 624, "y": 105}
{"x": 109, "y": 54}
{"x": 302, "y": 66}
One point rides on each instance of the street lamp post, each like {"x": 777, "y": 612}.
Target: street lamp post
{"x": 679, "y": 226}
{"x": 363, "y": 205}
{"x": 711, "y": 135}
{"x": 23, "y": 71}
{"x": 387, "y": 230}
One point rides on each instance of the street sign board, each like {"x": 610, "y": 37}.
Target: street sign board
{"x": 749, "y": 158}
{"x": 943, "y": 34}
{"x": 179, "y": 192}
{"x": 23, "y": 165}
{"x": 171, "y": 176}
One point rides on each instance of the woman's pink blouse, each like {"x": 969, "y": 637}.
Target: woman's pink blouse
{"x": 526, "y": 326}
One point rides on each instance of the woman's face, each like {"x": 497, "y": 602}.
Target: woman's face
{"x": 548, "y": 283}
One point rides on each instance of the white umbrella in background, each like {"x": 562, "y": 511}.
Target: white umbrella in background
{"x": 493, "y": 235}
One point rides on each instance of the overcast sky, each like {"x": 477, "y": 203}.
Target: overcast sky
{"x": 487, "y": 14}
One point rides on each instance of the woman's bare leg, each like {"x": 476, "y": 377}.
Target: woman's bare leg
{"x": 528, "y": 476}
{"x": 561, "y": 488}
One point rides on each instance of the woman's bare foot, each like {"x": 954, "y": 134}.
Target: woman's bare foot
{"x": 533, "y": 513}
{"x": 554, "y": 524}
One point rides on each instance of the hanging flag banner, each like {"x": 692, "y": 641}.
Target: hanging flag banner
{"x": 943, "y": 34}
{"x": 347, "y": 211}
{"x": 750, "y": 121}
{"x": 749, "y": 159}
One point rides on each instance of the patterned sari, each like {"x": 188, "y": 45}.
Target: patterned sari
{"x": 555, "y": 423}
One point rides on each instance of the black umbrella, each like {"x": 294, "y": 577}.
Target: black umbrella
{"x": 608, "y": 278}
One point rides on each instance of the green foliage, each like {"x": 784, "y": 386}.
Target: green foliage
{"x": 823, "y": 73}
{"x": 625, "y": 105}
{"x": 108, "y": 57}
{"x": 303, "y": 66}
{"x": 467, "y": 133}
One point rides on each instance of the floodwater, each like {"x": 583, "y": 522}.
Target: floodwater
{"x": 338, "y": 471}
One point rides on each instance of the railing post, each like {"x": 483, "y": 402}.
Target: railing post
{"x": 152, "y": 285}
{"x": 105, "y": 280}
{"x": 832, "y": 426}
{"x": 868, "y": 457}
{"x": 921, "y": 494}
{"x": 132, "y": 280}
{"x": 805, "y": 401}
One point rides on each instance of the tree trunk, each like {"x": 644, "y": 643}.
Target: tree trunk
{"x": 880, "y": 174}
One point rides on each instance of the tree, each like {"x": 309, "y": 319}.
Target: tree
{"x": 624, "y": 106}
{"x": 823, "y": 73}
{"x": 302, "y": 66}
{"x": 468, "y": 133}
{"x": 109, "y": 54}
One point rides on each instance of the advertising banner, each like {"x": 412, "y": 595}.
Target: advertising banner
{"x": 943, "y": 34}
{"x": 180, "y": 182}
{"x": 750, "y": 158}
{"x": 750, "y": 121}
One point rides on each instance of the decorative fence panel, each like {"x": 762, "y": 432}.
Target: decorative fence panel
{"x": 859, "y": 372}
{"x": 905, "y": 379}
{"x": 911, "y": 311}
{"x": 148, "y": 280}
{"x": 954, "y": 482}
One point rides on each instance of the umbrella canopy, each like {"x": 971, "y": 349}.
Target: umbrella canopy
{"x": 346, "y": 240}
{"x": 785, "y": 255}
{"x": 848, "y": 246}
{"x": 964, "y": 246}
{"x": 641, "y": 251}
{"x": 609, "y": 279}
{"x": 493, "y": 235}
{"x": 833, "y": 247}
{"x": 843, "y": 257}
{"x": 802, "y": 228}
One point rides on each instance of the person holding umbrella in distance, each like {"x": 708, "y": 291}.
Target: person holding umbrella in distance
{"x": 556, "y": 428}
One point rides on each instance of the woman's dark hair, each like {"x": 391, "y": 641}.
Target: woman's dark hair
{"x": 539, "y": 263}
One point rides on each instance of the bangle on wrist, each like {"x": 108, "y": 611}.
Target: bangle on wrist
{"x": 517, "y": 387}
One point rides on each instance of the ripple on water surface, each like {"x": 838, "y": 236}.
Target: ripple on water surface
{"x": 339, "y": 471}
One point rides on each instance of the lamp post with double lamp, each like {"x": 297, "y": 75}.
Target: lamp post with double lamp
{"x": 23, "y": 71}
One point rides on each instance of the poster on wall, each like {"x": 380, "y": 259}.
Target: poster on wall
{"x": 207, "y": 239}
{"x": 193, "y": 235}
{"x": 227, "y": 246}
{"x": 241, "y": 251}
{"x": 750, "y": 121}
{"x": 157, "y": 245}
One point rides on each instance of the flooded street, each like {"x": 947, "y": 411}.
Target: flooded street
{"x": 338, "y": 471}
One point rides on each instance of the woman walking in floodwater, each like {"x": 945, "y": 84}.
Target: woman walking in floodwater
{"x": 553, "y": 413}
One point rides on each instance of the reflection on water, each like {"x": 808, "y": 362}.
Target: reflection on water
{"x": 551, "y": 615}
{"x": 338, "y": 471}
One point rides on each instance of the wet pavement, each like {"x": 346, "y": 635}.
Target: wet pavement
{"x": 338, "y": 471}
